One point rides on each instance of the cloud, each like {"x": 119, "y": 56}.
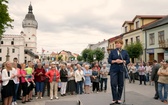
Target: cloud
{"x": 73, "y": 24}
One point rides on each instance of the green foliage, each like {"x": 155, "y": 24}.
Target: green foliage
{"x": 85, "y": 54}
{"x": 134, "y": 49}
{"x": 88, "y": 54}
{"x": 5, "y": 20}
{"x": 99, "y": 54}
{"x": 60, "y": 58}
{"x": 79, "y": 58}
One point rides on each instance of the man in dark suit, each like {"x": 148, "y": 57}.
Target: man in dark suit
{"x": 117, "y": 58}
{"x": 154, "y": 77}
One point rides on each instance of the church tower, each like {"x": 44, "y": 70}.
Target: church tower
{"x": 30, "y": 26}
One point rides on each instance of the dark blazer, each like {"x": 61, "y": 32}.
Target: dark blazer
{"x": 113, "y": 56}
{"x": 63, "y": 75}
{"x": 154, "y": 75}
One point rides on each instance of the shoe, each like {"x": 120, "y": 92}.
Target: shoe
{"x": 56, "y": 98}
{"x": 62, "y": 95}
{"x": 23, "y": 102}
{"x": 165, "y": 101}
{"x": 37, "y": 97}
{"x": 119, "y": 101}
{"x": 113, "y": 102}
{"x": 51, "y": 98}
{"x": 140, "y": 84}
{"x": 15, "y": 103}
{"x": 41, "y": 97}
{"x": 156, "y": 98}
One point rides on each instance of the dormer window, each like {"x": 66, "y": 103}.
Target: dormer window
{"x": 137, "y": 24}
{"x": 126, "y": 29}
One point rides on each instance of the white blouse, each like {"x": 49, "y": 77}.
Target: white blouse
{"x": 5, "y": 77}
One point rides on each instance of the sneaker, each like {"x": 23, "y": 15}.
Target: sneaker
{"x": 15, "y": 103}
{"x": 37, "y": 97}
{"x": 51, "y": 98}
{"x": 41, "y": 97}
{"x": 56, "y": 98}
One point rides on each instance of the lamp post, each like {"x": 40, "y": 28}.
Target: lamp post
{"x": 7, "y": 56}
{"x": 18, "y": 53}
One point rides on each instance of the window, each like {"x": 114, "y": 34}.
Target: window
{"x": 126, "y": 41}
{"x": 125, "y": 28}
{"x": 137, "y": 24}
{"x": 138, "y": 39}
{"x": 1, "y": 42}
{"x": 12, "y": 42}
{"x": 151, "y": 39}
{"x": 0, "y": 58}
{"x": 161, "y": 36}
{"x": 0, "y": 50}
{"x": 26, "y": 45}
{"x": 131, "y": 40}
{"x": 13, "y": 50}
{"x": 29, "y": 38}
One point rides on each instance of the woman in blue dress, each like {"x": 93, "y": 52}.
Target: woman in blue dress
{"x": 87, "y": 82}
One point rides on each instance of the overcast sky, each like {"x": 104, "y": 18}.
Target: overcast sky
{"x": 73, "y": 24}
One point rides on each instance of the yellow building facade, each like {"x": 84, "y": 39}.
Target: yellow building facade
{"x": 132, "y": 30}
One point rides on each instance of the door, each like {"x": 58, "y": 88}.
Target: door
{"x": 160, "y": 57}
{"x": 151, "y": 57}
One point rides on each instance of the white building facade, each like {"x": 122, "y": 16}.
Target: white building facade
{"x": 23, "y": 46}
{"x": 103, "y": 45}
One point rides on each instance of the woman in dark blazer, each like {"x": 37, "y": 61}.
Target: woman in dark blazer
{"x": 117, "y": 70}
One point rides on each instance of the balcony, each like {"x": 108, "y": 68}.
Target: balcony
{"x": 163, "y": 44}
{"x": 109, "y": 49}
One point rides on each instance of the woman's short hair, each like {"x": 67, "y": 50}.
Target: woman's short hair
{"x": 119, "y": 41}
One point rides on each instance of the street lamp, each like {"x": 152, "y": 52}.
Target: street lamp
{"x": 18, "y": 52}
{"x": 94, "y": 57}
{"x": 7, "y": 56}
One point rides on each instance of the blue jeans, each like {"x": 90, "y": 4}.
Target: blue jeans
{"x": 79, "y": 87}
{"x": 39, "y": 86}
{"x": 16, "y": 86}
{"x": 160, "y": 87}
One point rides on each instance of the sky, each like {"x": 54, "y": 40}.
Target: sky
{"x": 73, "y": 24}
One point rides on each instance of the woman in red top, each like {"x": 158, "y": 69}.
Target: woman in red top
{"x": 39, "y": 78}
{"x": 54, "y": 77}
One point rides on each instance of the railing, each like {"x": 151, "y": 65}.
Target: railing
{"x": 109, "y": 49}
{"x": 163, "y": 44}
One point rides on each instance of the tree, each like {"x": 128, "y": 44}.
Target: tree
{"x": 134, "y": 50}
{"x": 5, "y": 20}
{"x": 99, "y": 54}
{"x": 79, "y": 58}
{"x": 85, "y": 54}
{"x": 60, "y": 58}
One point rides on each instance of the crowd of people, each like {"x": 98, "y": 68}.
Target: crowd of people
{"x": 156, "y": 73}
{"x": 58, "y": 79}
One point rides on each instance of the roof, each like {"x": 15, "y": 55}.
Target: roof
{"x": 115, "y": 38}
{"x": 148, "y": 17}
{"x": 129, "y": 22}
{"x": 158, "y": 23}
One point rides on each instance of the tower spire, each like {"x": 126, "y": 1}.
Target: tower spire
{"x": 30, "y": 8}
